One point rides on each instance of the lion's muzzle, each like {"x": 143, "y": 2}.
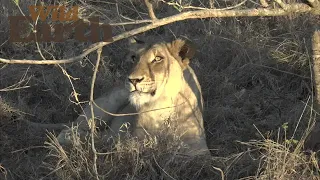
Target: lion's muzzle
{"x": 136, "y": 80}
{"x": 141, "y": 86}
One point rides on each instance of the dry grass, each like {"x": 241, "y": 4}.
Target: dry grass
{"x": 278, "y": 161}
{"x": 150, "y": 159}
{"x": 256, "y": 82}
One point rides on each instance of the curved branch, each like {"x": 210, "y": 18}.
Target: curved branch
{"x": 150, "y": 10}
{"x": 199, "y": 14}
{"x": 93, "y": 124}
{"x": 314, "y": 3}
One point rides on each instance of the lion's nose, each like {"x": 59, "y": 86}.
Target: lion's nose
{"x": 135, "y": 80}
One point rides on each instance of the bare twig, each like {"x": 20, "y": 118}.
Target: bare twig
{"x": 282, "y": 4}
{"x": 208, "y": 13}
{"x": 3, "y": 171}
{"x": 211, "y": 4}
{"x": 93, "y": 124}
{"x": 316, "y": 64}
{"x": 131, "y": 114}
{"x": 11, "y": 88}
{"x": 312, "y": 133}
{"x": 133, "y": 22}
{"x": 176, "y": 4}
{"x": 150, "y": 10}
{"x": 314, "y": 3}
{"x": 22, "y": 84}
{"x": 70, "y": 78}
{"x": 264, "y": 3}
{"x": 221, "y": 172}
{"x": 162, "y": 168}
{"x": 203, "y": 8}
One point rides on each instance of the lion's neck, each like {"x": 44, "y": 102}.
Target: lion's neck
{"x": 179, "y": 115}
{"x": 180, "y": 104}
{"x": 184, "y": 92}
{"x": 169, "y": 105}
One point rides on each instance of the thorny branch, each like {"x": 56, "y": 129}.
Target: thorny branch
{"x": 198, "y": 14}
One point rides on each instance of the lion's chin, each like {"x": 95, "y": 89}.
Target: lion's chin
{"x": 139, "y": 99}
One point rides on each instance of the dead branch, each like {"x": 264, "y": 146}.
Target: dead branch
{"x": 221, "y": 172}
{"x": 316, "y": 64}
{"x": 282, "y": 4}
{"x": 202, "y": 8}
{"x": 150, "y": 10}
{"x": 93, "y": 124}
{"x": 133, "y": 22}
{"x": 264, "y": 3}
{"x": 314, "y": 3}
{"x": 211, "y": 4}
{"x": 313, "y": 131}
{"x": 199, "y": 14}
{"x": 176, "y": 4}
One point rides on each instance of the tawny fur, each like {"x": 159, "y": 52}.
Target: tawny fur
{"x": 164, "y": 90}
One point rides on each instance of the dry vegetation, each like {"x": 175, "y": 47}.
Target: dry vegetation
{"x": 256, "y": 80}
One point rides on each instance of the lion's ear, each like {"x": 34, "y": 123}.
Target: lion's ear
{"x": 183, "y": 48}
{"x": 135, "y": 40}
{"x": 135, "y": 44}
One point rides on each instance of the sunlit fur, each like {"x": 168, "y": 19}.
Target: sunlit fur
{"x": 168, "y": 75}
{"x": 170, "y": 90}
{"x": 163, "y": 92}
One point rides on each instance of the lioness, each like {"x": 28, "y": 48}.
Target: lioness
{"x": 164, "y": 92}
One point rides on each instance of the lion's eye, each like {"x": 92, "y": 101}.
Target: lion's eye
{"x": 157, "y": 59}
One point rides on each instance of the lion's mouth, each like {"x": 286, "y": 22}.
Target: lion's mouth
{"x": 146, "y": 88}
{"x": 152, "y": 93}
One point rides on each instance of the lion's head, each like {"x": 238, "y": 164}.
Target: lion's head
{"x": 153, "y": 65}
